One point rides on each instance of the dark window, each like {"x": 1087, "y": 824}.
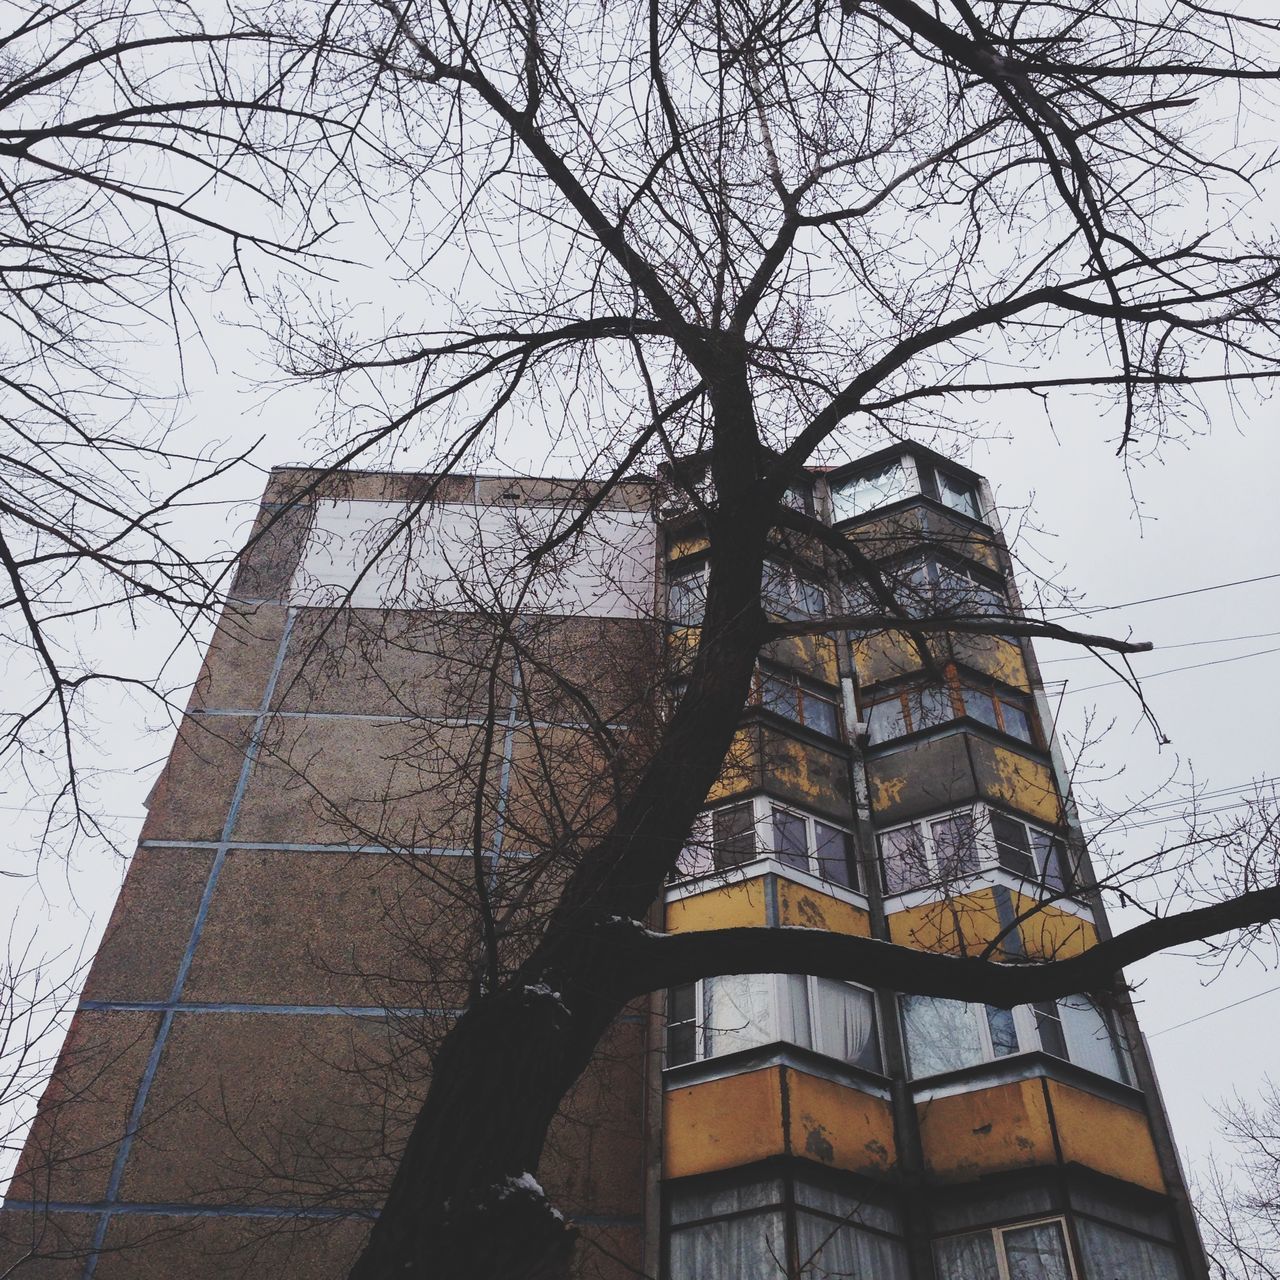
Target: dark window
{"x": 733, "y": 835}
{"x": 835, "y": 861}
{"x": 687, "y": 597}
{"x": 1013, "y": 845}
{"x": 784, "y": 695}
{"x": 790, "y": 841}
{"x": 682, "y": 1023}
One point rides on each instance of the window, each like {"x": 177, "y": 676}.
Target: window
{"x": 960, "y": 495}
{"x": 927, "y": 706}
{"x": 786, "y": 695}
{"x": 687, "y": 596}
{"x": 932, "y": 588}
{"x": 1027, "y": 1251}
{"x": 1108, "y": 1253}
{"x": 741, "y": 1011}
{"x": 784, "y": 593}
{"x": 904, "y": 477}
{"x": 870, "y": 489}
{"x": 946, "y": 1035}
{"x": 957, "y": 845}
{"x": 737, "y": 833}
{"x": 747, "y": 1232}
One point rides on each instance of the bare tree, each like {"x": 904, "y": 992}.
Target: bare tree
{"x": 736, "y": 242}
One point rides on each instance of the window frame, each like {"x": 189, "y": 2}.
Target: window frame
{"x": 997, "y": 1233}
{"x": 779, "y": 570}
{"x": 1027, "y": 1022}
{"x": 763, "y": 805}
{"x": 785, "y": 1023}
{"x": 986, "y": 847}
{"x": 951, "y": 695}
{"x": 802, "y": 689}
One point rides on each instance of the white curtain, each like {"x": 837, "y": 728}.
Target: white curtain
{"x": 942, "y": 1035}
{"x": 1112, "y": 1254}
{"x": 1036, "y": 1253}
{"x": 1088, "y": 1036}
{"x": 844, "y": 1022}
{"x": 739, "y": 1012}
{"x": 751, "y": 1248}
{"x": 836, "y": 1251}
{"x": 967, "y": 1257}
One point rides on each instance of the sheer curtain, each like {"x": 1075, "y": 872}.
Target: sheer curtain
{"x": 1112, "y": 1254}
{"x": 1089, "y": 1039}
{"x": 942, "y": 1035}
{"x": 844, "y": 1022}
{"x": 836, "y": 1251}
{"x": 739, "y": 1012}
{"x": 752, "y": 1248}
{"x": 1036, "y": 1253}
{"x": 967, "y": 1258}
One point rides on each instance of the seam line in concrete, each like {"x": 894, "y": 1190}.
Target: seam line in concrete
{"x": 184, "y": 966}
{"x": 280, "y": 846}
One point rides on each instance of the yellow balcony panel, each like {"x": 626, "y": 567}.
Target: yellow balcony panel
{"x": 967, "y": 1135}
{"x": 806, "y": 774}
{"x": 955, "y": 768}
{"x": 1105, "y": 1135}
{"x": 799, "y": 904}
{"x": 778, "y": 1110}
{"x": 1052, "y": 933}
{"x": 729, "y": 906}
{"x": 689, "y": 543}
{"x": 891, "y": 655}
{"x": 720, "y": 1124}
{"x": 957, "y": 926}
{"x": 741, "y": 769}
{"x": 815, "y": 656}
{"x": 837, "y": 1126}
{"x": 924, "y": 528}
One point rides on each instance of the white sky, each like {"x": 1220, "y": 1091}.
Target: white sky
{"x": 1204, "y": 513}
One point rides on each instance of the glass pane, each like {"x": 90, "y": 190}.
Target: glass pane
{"x": 1112, "y": 1254}
{"x": 687, "y": 598}
{"x": 696, "y": 857}
{"x": 797, "y": 497}
{"x": 967, "y": 1258}
{"x": 1090, "y": 1043}
{"x": 955, "y": 846}
{"x": 775, "y": 590}
{"x": 789, "y": 839}
{"x": 1050, "y": 1028}
{"x": 1013, "y": 847}
{"x": 1016, "y": 721}
{"x": 1036, "y": 1253}
{"x": 941, "y": 1035}
{"x": 682, "y": 1044}
{"x": 811, "y": 600}
{"x": 903, "y": 860}
{"x": 844, "y": 1023}
{"x": 820, "y": 714}
{"x": 1004, "y": 1035}
{"x": 839, "y": 1251}
{"x": 981, "y": 706}
{"x": 780, "y": 696}
{"x": 929, "y": 707}
{"x": 734, "y": 835}
{"x": 753, "y": 1248}
{"x": 688, "y": 1205}
{"x": 738, "y": 1009}
{"x": 958, "y": 494}
{"x": 885, "y": 720}
{"x": 835, "y": 861}
{"x": 682, "y": 1003}
{"x": 870, "y": 490}
{"x": 1050, "y": 856}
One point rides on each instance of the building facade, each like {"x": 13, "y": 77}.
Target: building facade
{"x": 401, "y": 734}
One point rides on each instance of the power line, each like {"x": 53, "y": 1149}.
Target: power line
{"x": 1186, "y": 644}
{"x": 1173, "y": 595}
{"x": 1235, "y": 1004}
{"x": 1169, "y": 671}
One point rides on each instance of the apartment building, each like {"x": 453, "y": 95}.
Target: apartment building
{"x": 403, "y": 729}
